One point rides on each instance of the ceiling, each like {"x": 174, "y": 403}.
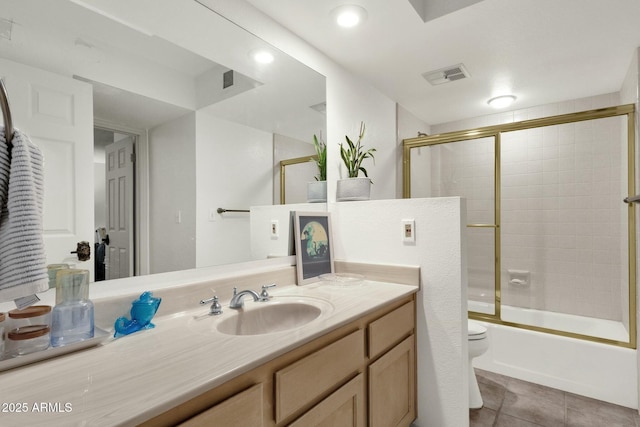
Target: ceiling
{"x": 542, "y": 51}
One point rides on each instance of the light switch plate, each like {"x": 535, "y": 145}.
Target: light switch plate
{"x": 408, "y": 231}
{"x": 275, "y": 229}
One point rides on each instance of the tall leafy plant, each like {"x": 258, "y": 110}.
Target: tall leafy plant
{"x": 353, "y": 154}
{"x": 321, "y": 160}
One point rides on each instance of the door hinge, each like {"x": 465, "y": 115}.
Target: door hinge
{"x": 133, "y": 157}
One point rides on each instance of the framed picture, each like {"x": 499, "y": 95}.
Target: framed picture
{"x": 314, "y": 250}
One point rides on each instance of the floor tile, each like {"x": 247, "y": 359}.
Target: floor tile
{"x": 536, "y": 391}
{"x": 613, "y": 413}
{"x": 492, "y": 394}
{"x": 484, "y": 417}
{"x": 577, "y": 418}
{"x": 491, "y": 377}
{"x": 509, "y": 421}
{"x": 533, "y": 409}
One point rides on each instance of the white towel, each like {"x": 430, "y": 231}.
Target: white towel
{"x": 23, "y": 269}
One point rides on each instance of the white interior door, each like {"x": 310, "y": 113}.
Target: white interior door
{"x": 120, "y": 184}
{"x": 57, "y": 114}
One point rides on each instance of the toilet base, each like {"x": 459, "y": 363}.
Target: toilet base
{"x": 475, "y": 398}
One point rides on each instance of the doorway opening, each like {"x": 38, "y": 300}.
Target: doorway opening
{"x": 115, "y": 214}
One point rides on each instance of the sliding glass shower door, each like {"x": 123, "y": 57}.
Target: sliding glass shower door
{"x": 551, "y": 245}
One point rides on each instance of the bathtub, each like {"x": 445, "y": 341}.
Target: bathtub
{"x": 600, "y": 371}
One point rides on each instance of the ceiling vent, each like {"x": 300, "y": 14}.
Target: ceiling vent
{"x": 320, "y": 107}
{"x": 227, "y": 79}
{"x": 446, "y": 75}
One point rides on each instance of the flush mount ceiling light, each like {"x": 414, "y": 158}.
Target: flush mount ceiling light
{"x": 349, "y": 15}
{"x": 262, "y": 56}
{"x": 501, "y": 101}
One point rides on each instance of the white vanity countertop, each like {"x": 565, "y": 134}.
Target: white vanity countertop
{"x": 134, "y": 378}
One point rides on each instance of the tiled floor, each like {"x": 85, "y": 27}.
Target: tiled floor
{"x": 509, "y": 402}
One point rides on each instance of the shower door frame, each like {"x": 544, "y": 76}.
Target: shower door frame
{"x": 495, "y": 132}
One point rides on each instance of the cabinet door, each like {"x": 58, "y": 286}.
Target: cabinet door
{"x": 343, "y": 408}
{"x": 392, "y": 388}
{"x": 241, "y": 410}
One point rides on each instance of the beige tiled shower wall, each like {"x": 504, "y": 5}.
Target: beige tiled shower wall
{"x": 563, "y": 219}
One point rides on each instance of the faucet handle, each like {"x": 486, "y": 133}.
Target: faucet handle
{"x": 264, "y": 295}
{"x": 216, "y": 308}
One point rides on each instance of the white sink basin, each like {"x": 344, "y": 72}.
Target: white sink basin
{"x": 258, "y": 318}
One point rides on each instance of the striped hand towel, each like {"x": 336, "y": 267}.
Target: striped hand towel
{"x": 23, "y": 269}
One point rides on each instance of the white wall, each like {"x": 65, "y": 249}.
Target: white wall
{"x": 371, "y": 232}
{"x": 172, "y": 192}
{"x": 234, "y": 171}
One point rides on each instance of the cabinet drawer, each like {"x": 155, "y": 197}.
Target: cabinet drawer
{"x": 390, "y": 329}
{"x": 344, "y": 407}
{"x": 242, "y": 409}
{"x": 316, "y": 374}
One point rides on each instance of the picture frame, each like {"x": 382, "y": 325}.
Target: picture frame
{"x": 314, "y": 246}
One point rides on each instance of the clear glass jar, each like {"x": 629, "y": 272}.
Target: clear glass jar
{"x": 33, "y": 315}
{"x": 27, "y": 339}
{"x": 72, "y": 318}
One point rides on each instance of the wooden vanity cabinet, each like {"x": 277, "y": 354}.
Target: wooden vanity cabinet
{"x": 392, "y": 372}
{"x": 361, "y": 374}
{"x": 246, "y": 405}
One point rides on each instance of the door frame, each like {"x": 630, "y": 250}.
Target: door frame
{"x": 141, "y": 192}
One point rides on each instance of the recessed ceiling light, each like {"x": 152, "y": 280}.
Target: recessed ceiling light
{"x": 501, "y": 101}
{"x": 349, "y": 15}
{"x": 262, "y": 56}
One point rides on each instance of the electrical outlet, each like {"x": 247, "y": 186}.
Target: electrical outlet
{"x": 275, "y": 229}
{"x": 408, "y": 231}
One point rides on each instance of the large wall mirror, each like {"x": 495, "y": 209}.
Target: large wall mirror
{"x": 150, "y": 119}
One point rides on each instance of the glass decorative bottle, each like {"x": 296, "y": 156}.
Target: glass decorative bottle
{"x": 72, "y": 318}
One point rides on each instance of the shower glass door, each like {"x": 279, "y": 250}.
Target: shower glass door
{"x": 564, "y": 249}
{"x": 465, "y": 168}
{"x": 551, "y": 245}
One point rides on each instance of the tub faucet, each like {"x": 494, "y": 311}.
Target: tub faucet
{"x": 237, "y": 298}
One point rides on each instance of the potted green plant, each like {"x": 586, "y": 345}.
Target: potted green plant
{"x": 317, "y": 190}
{"x": 353, "y": 154}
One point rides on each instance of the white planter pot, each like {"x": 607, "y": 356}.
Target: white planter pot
{"x": 317, "y": 191}
{"x": 351, "y": 189}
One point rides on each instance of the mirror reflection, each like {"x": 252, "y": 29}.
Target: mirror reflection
{"x": 148, "y": 128}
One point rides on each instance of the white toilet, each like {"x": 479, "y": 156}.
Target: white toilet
{"x": 478, "y": 344}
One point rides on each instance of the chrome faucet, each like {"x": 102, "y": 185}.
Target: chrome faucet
{"x": 237, "y": 301}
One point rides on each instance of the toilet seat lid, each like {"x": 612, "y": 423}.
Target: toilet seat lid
{"x": 476, "y": 330}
